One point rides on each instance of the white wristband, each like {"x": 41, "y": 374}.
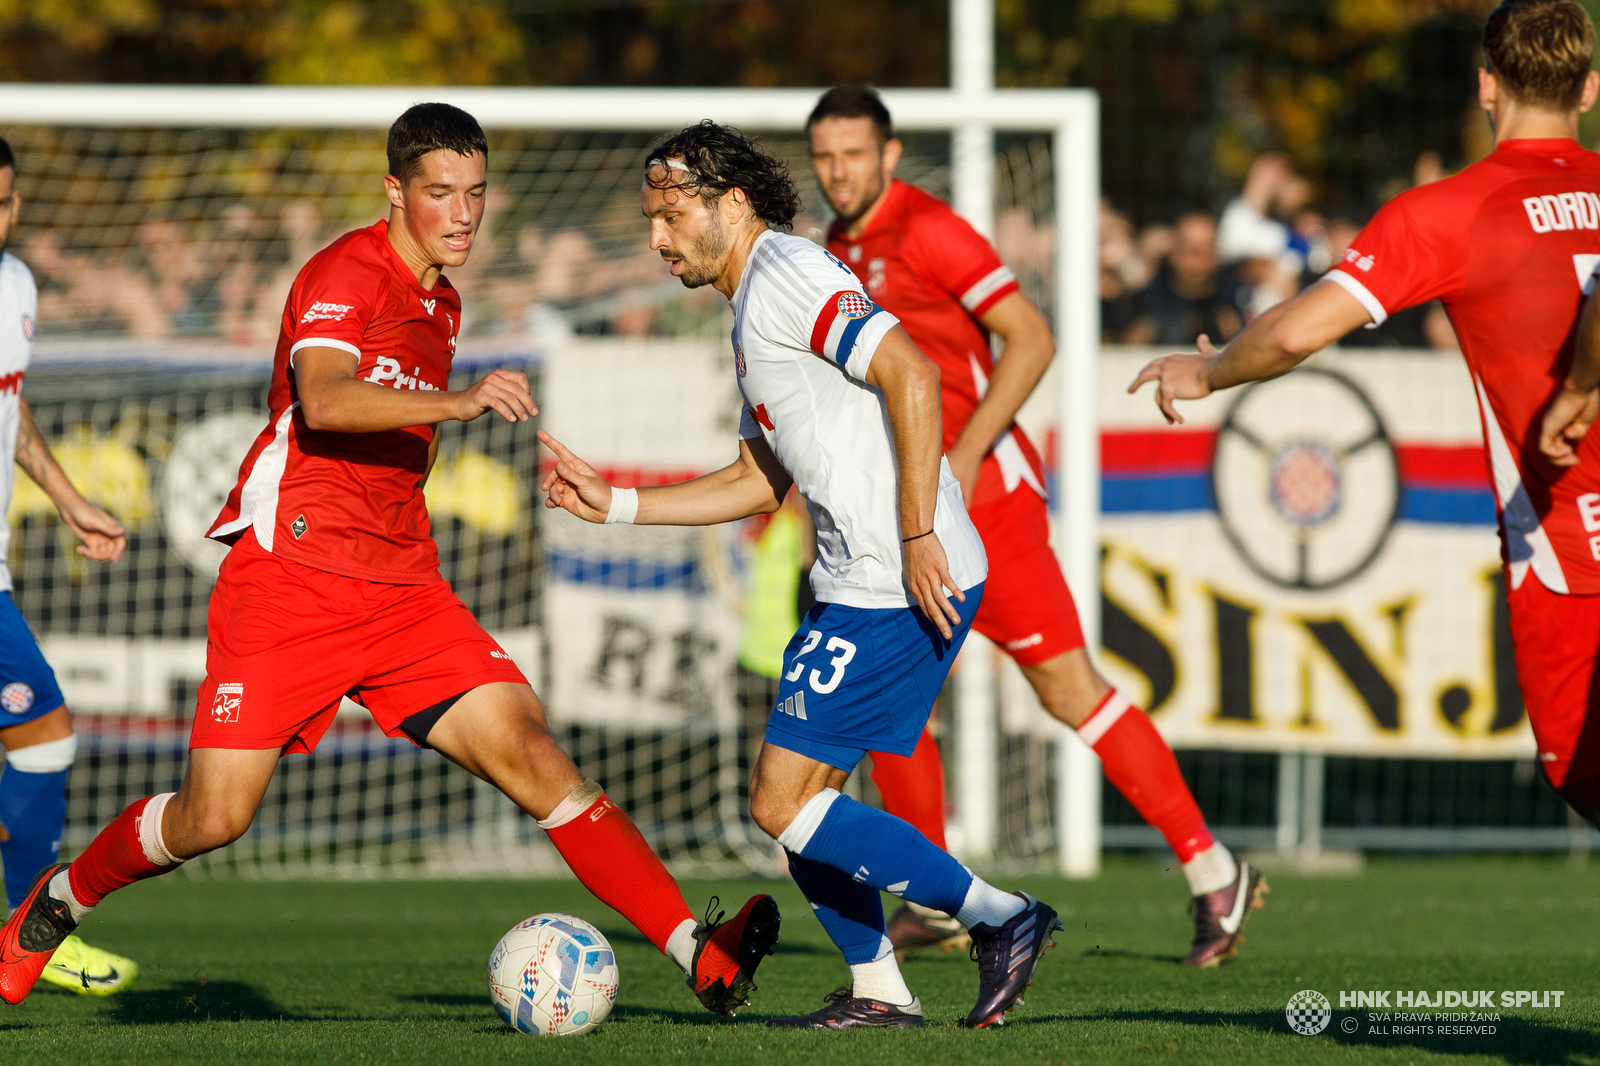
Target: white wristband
{"x": 624, "y": 506}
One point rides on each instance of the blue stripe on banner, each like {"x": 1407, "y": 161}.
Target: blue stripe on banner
{"x": 625, "y": 572}
{"x": 847, "y": 339}
{"x": 1456, "y": 507}
{"x": 1179, "y": 492}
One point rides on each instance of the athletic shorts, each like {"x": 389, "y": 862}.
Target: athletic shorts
{"x": 1027, "y": 608}
{"x": 285, "y": 642}
{"x": 28, "y": 688}
{"x": 860, "y": 680}
{"x": 1556, "y": 638}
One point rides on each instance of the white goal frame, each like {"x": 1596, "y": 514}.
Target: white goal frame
{"x": 971, "y": 114}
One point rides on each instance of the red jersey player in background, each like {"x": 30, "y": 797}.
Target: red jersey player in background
{"x": 923, "y": 263}
{"x": 332, "y": 589}
{"x": 1508, "y": 245}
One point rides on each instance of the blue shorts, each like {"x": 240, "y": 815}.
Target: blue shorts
{"x": 860, "y": 680}
{"x": 28, "y": 688}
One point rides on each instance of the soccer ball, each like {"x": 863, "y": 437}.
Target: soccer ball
{"x": 553, "y": 975}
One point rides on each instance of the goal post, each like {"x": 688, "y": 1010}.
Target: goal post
{"x": 970, "y": 116}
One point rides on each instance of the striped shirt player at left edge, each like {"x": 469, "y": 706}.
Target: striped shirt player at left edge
{"x": 839, "y": 404}
{"x": 35, "y": 725}
{"x": 329, "y": 526}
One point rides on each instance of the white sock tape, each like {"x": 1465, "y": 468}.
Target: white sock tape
{"x": 804, "y": 826}
{"x": 51, "y": 757}
{"x": 155, "y": 849}
{"x": 624, "y": 506}
{"x": 1101, "y": 721}
{"x": 577, "y": 801}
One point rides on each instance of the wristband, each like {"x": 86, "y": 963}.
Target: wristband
{"x": 919, "y": 536}
{"x": 624, "y": 506}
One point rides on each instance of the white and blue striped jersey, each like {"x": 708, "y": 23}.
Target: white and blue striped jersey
{"x": 803, "y": 336}
{"x": 19, "y": 308}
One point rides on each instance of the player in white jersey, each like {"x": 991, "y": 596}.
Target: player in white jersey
{"x": 839, "y": 402}
{"x": 35, "y": 728}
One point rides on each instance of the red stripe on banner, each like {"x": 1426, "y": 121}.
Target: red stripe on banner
{"x": 634, "y": 477}
{"x": 825, "y": 317}
{"x": 1156, "y": 451}
{"x": 1457, "y": 465}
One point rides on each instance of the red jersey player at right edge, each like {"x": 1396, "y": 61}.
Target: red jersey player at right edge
{"x": 332, "y": 589}
{"x": 1508, "y": 245}
{"x": 924, "y": 263}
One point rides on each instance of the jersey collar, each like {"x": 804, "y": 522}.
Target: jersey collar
{"x": 1540, "y": 145}
{"x": 750, "y": 261}
{"x": 891, "y": 199}
{"x": 380, "y": 229}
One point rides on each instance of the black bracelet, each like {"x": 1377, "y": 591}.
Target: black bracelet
{"x": 919, "y": 536}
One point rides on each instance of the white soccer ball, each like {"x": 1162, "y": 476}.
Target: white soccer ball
{"x": 553, "y": 975}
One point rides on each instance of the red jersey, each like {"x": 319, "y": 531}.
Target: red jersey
{"x": 350, "y": 503}
{"x": 927, "y": 266}
{"x": 1509, "y": 245}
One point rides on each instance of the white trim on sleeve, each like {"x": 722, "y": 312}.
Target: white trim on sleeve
{"x": 871, "y": 335}
{"x": 1362, "y": 294}
{"x": 987, "y": 286}
{"x": 324, "y": 342}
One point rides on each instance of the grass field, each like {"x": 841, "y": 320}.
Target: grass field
{"x": 394, "y": 973}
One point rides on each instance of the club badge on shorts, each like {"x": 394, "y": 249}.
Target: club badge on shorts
{"x": 225, "y": 706}
{"x": 16, "y": 698}
{"x": 28, "y": 328}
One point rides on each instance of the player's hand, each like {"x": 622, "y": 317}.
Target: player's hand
{"x": 965, "y": 467}
{"x": 572, "y": 485}
{"x": 927, "y": 574}
{"x": 505, "y": 391}
{"x": 1178, "y": 377}
{"x": 103, "y": 537}
{"x": 1566, "y": 421}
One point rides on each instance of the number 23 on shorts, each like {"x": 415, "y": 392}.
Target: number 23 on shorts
{"x": 846, "y": 651}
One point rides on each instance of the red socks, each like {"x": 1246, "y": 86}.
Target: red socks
{"x": 912, "y": 786}
{"x": 1142, "y": 767}
{"x": 613, "y": 860}
{"x": 122, "y": 853}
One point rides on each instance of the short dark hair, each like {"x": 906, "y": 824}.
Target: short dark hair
{"x": 1540, "y": 50}
{"x": 856, "y": 100}
{"x": 716, "y": 159}
{"x": 427, "y": 128}
{"x": 6, "y": 158}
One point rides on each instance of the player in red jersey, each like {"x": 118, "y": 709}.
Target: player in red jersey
{"x": 923, "y": 263}
{"x": 1509, "y": 245}
{"x": 332, "y": 589}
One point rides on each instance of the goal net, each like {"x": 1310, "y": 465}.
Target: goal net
{"x": 164, "y": 250}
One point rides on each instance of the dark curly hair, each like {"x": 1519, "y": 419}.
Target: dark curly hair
{"x": 713, "y": 159}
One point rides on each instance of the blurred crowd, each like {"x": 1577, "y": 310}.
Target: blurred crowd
{"x": 1167, "y": 283}
{"x": 1163, "y": 284}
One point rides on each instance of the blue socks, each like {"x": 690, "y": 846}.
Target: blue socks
{"x": 33, "y": 808}
{"x": 851, "y": 912}
{"x": 877, "y": 850}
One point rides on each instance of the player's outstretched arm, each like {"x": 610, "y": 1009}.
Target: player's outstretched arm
{"x": 910, "y": 384}
{"x": 1029, "y": 347}
{"x": 333, "y": 398}
{"x": 103, "y": 538}
{"x": 1574, "y": 408}
{"x": 1275, "y": 342}
{"x": 754, "y": 483}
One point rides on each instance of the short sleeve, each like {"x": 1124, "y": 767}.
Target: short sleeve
{"x": 847, "y": 328}
{"x": 334, "y": 299}
{"x": 1399, "y": 260}
{"x": 962, "y": 262}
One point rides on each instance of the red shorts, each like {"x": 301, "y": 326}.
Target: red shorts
{"x": 1027, "y": 608}
{"x": 1556, "y": 638}
{"x": 285, "y": 642}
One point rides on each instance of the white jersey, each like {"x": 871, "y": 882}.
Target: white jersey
{"x": 804, "y": 334}
{"x": 19, "y": 308}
